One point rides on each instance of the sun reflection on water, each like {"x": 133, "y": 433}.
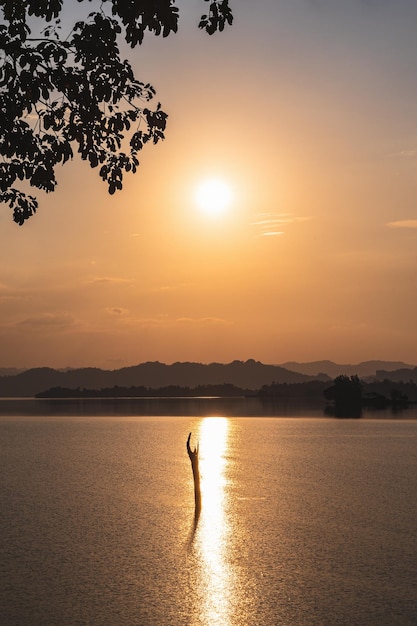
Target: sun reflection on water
{"x": 212, "y": 533}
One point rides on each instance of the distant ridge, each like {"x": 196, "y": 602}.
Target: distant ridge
{"x": 400, "y": 375}
{"x": 246, "y": 374}
{"x": 249, "y": 374}
{"x": 365, "y": 369}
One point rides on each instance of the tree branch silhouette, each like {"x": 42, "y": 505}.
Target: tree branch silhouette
{"x": 59, "y": 95}
{"x": 193, "y": 454}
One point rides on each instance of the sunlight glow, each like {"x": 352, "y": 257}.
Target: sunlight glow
{"x": 213, "y": 446}
{"x": 213, "y": 435}
{"x": 213, "y": 196}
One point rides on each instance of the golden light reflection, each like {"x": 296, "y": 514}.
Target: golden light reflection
{"x": 211, "y": 537}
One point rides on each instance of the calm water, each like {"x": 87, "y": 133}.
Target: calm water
{"x": 305, "y": 520}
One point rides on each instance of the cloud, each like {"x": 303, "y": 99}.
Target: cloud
{"x": 202, "y": 321}
{"x": 403, "y": 224}
{"x": 9, "y": 296}
{"x": 116, "y": 311}
{"x": 371, "y": 4}
{"x": 103, "y": 280}
{"x": 408, "y": 154}
{"x": 48, "y": 320}
{"x": 270, "y": 224}
{"x": 128, "y": 321}
{"x": 9, "y": 293}
{"x": 166, "y": 322}
{"x": 272, "y": 233}
{"x": 169, "y": 288}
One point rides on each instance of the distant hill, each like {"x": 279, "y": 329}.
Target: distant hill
{"x": 404, "y": 374}
{"x": 249, "y": 374}
{"x": 365, "y": 369}
{"x": 246, "y": 374}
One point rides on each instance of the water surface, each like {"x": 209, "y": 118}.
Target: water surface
{"x": 304, "y": 521}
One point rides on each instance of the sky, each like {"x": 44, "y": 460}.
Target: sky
{"x": 305, "y": 110}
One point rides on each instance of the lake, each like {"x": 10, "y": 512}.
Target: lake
{"x": 305, "y": 519}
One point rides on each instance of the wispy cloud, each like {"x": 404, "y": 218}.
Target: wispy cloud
{"x": 103, "y": 280}
{"x": 167, "y": 322}
{"x": 403, "y": 224}
{"x": 116, "y": 311}
{"x": 271, "y": 224}
{"x": 48, "y": 320}
{"x": 169, "y": 288}
{"x": 272, "y": 233}
{"x": 409, "y": 155}
{"x": 371, "y": 4}
{"x": 9, "y": 293}
{"x": 202, "y": 321}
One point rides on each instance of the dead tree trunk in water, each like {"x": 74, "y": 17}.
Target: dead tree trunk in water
{"x": 193, "y": 454}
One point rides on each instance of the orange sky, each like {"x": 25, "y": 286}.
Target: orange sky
{"x": 307, "y": 110}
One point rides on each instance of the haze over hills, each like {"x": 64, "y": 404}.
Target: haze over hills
{"x": 10, "y": 371}
{"x": 244, "y": 374}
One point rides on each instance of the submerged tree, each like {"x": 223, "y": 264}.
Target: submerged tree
{"x": 193, "y": 454}
{"x": 64, "y": 92}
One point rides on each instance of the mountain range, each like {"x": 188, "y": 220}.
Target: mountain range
{"x": 365, "y": 369}
{"x": 249, "y": 374}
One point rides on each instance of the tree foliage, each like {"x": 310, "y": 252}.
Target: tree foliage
{"x": 60, "y": 94}
{"x": 346, "y": 395}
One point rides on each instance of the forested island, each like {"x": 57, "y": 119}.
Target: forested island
{"x": 225, "y": 390}
{"x": 346, "y": 395}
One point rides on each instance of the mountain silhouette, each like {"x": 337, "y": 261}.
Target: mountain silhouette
{"x": 404, "y": 374}
{"x": 249, "y": 374}
{"x": 365, "y": 369}
{"x": 246, "y": 374}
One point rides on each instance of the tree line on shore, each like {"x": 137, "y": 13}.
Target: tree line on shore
{"x": 169, "y": 391}
{"x": 345, "y": 392}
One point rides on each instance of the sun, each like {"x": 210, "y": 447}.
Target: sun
{"x": 213, "y": 196}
